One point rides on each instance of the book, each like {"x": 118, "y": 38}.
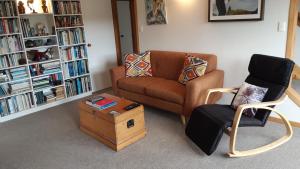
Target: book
{"x": 103, "y": 104}
{"x": 94, "y": 100}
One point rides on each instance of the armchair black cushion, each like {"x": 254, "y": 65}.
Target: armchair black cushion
{"x": 208, "y": 122}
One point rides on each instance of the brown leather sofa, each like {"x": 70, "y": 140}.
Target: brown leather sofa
{"x": 163, "y": 90}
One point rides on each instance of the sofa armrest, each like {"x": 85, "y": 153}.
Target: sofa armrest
{"x": 116, "y": 74}
{"x": 196, "y": 90}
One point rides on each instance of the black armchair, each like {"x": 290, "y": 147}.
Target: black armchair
{"x": 208, "y": 122}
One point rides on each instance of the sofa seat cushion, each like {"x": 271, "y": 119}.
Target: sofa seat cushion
{"x": 137, "y": 84}
{"x": 168, "y": 90}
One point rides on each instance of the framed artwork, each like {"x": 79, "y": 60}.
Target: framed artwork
{"x": 156, "y": 12}
{"x": 235, "y": 10}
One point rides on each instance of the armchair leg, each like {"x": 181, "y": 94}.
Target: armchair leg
{"x": 183, "y": 119}
{"x": 234, "y": 153}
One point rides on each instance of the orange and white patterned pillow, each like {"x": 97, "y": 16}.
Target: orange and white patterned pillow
{"x": 193, "y": 67}
{"x": 138, "y": 65}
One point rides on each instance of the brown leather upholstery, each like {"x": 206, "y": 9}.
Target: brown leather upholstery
{"x": 167, "y": 65}
{"x": 162, "y": 90}
{"x": 137, "y": 84}
{"x": 168, "y": 90}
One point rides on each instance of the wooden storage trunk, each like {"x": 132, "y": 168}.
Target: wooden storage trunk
{"x": 116, "y": 131}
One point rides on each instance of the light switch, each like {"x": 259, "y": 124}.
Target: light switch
{"x": 282, "y": 27}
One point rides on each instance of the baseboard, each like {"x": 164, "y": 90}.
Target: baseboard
{"x": 278, "y": 120}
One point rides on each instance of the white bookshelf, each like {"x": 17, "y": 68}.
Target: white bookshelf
{"x": 48, "y": 19}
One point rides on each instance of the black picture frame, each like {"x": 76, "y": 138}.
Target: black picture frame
{"x": 230, "y": 18}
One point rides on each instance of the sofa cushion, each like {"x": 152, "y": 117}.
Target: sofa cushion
{"x": 168, "y": 90}
{"x": 137, "y": 84}
{"x": 194, "y": 67}
{"x": 211, "y": 60}
{"x": 138, "y": 65}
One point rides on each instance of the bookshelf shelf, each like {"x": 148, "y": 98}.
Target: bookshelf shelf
{"x": 66, "y": 19}
{"x": 72, "y": 45}
{"x": 70, "y": 27}
{"x": 9, "y": 17}
{"x": 67, "y": 61}
{"x": 46, "y": 88}
{"x": 46, "y": 61}
{"x": 12, "y": 53}
{"x": 14, "y": 81}
{"x": 44, "y": 75}
{"x": 35, "y": 14}
{"x": 40, "y": 37}
{"x": 10, "y": 34}
{"x": 13, "y": 67}
{"x": 16, "y": 94}
{"x": 75, "y": 77}
{"x": 41, "y": 47}
{"x": 68, "y": 14}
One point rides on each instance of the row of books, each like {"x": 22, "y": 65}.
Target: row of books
{"x": 46, "y": 82}
{"x": 76, "y": 68}
{"x": 49, "y": 95}
{"x": 11, "y": 60}
{"x": 10, "y": 44}
{"x": 8, "y": 8}
{"x": 68, "y": 21}
{"x": 8, "y": 26}
{"x": 100, "y": 102}
{"x": 73, "y": 53}
{"x": 16, "y": 104}
{"x": 59, "y": 93}
{"x": 13, "y": 74}
{"x": 78, "y": 86}
{"x": 70, "y": 37}
{"x": 26, "y": 28}
{"x": 45, "y": 68}
{"x": 65, "y": 7}
{"x": 14, "y": 88}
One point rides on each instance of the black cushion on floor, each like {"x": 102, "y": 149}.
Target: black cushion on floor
{"x": 208, "y": 122}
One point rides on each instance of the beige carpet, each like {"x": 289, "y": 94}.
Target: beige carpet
{"x": 51, "y": 139}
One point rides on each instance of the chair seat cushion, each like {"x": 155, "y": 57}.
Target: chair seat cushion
{"x": 224, "y": 114}
{"x": 137, "y": 84}
{"x": 168, "y": 90}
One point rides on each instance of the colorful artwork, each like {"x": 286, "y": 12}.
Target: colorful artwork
{"x": 156, "y": 12}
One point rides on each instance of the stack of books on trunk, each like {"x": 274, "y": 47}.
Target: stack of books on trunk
{"x": 100, "y": 102}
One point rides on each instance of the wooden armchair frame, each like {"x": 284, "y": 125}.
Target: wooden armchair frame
{"x": 233, "y": 132}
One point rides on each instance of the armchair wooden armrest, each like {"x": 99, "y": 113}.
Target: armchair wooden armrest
{"x": 221, "y": 90}
{"x": 264, "y": 105}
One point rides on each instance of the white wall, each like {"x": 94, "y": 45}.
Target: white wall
{"x": 233, "y": 42}
{"x": 97, "y": 17}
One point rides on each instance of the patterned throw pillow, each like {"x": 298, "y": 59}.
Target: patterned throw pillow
{"x": 193, "y": 67}
{"x": 248, "y": 94}
{"x": 138, "y": 65}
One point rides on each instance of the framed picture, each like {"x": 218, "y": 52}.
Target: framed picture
{"x": 235, "y": 10}
{"x": 156, "y": 12}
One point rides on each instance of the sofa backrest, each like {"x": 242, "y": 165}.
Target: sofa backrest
{"x": 169, "y": 65}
